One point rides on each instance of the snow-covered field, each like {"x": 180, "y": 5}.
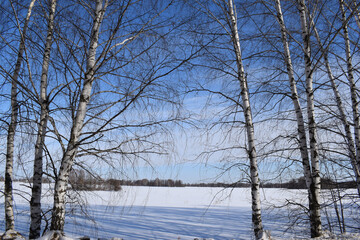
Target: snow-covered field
{"x": 174, "y": 213}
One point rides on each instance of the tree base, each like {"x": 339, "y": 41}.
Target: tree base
{"x": 12, "y": 235}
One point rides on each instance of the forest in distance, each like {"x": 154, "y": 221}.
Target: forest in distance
{"x": 83, "y": 182}
{"x": 89, "y": 184}
{"x": 257, "y": 93}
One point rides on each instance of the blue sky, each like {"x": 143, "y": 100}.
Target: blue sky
{"x": 185, "y": 161}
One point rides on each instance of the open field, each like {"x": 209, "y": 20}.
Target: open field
{"x": 175, "y": 213}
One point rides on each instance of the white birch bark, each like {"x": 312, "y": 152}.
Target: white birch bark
{"x": 351, "y": 80}
{"x": 58, "y": 213}
{"x": 310, "y": 169}
{"x": 35, "y": 203}
{"x": 8, "y": 191}
{"x": 295, "y": 98}
{"x": 315, "y": 219}
{"x": 255, "y": 182}
{"x": 340, "y": 107}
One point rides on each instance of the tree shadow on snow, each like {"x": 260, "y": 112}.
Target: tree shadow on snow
{"x": 139, "y": 222}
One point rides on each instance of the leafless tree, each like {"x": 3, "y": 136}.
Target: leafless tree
{"x": 353, "y": 90}
{"x": 9, "y": 212}
{"x": 339, "y": 102}
{"x": 123, "y": 77}
{"x": 35, "y": 203}
{"x": 313, "y": 56}
{"x": 58, "y": 214}
{"x": 314, "y": 183}
{"x": 255, "y": 182}
{"x": 225, "y": 15}
{"x": 310, "y": 164}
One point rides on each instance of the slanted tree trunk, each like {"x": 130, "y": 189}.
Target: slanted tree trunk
{"x": 58, "y": 212}
{"x": 35, "y": 203}
{"x": 315, "y": 216}
{"x": 351, "y": 80}
{"x": 8, "y": 191}
{"x": 310, "y": 169}
{"x": 255, "y": 182}
{"x": 295, "y": 97}
{"x": 342, "y": 114}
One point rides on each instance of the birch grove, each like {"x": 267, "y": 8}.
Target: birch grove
{"x": 98, "y": 88}
{"x": 341, "y": 109}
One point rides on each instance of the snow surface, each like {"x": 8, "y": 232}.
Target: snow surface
{"x": 173, "y": 213}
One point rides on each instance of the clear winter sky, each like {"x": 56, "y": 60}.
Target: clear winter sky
{"x": 187, "y": 161}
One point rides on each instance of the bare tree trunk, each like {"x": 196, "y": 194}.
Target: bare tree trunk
{"x": 350, "y": 77}
{"x": 311, "y": 170}
{"x": 315, "y": 216}
{"x": 255, "y": 182}
{"x": 58, "y": 214}
{"x": 295, "y": 98}
{"x": 35, "y": 203}
{"x": 9, "y": 211}
{"x": 339, "y": 104}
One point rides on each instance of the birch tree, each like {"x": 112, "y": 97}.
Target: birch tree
{"x": 255, "y": 182}
{"x": 35, "y": 203}
{"x": 310, "y": 165}
{"x": 353, "y": 91}
{"x": 339, "y": 103}
{"x": 9, "y": 211}
{"x": 128, "y": 61}
{"x": 315, "y": 217}
{"x": 224, "y": 15}
{"x": 58, "y": 213}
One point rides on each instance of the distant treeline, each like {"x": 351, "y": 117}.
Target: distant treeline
{"x": 300, "y": 183}
{"x": 153, "y": 183}
{"x": 80, "y": 180}
{"x": 292, "y": 184}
